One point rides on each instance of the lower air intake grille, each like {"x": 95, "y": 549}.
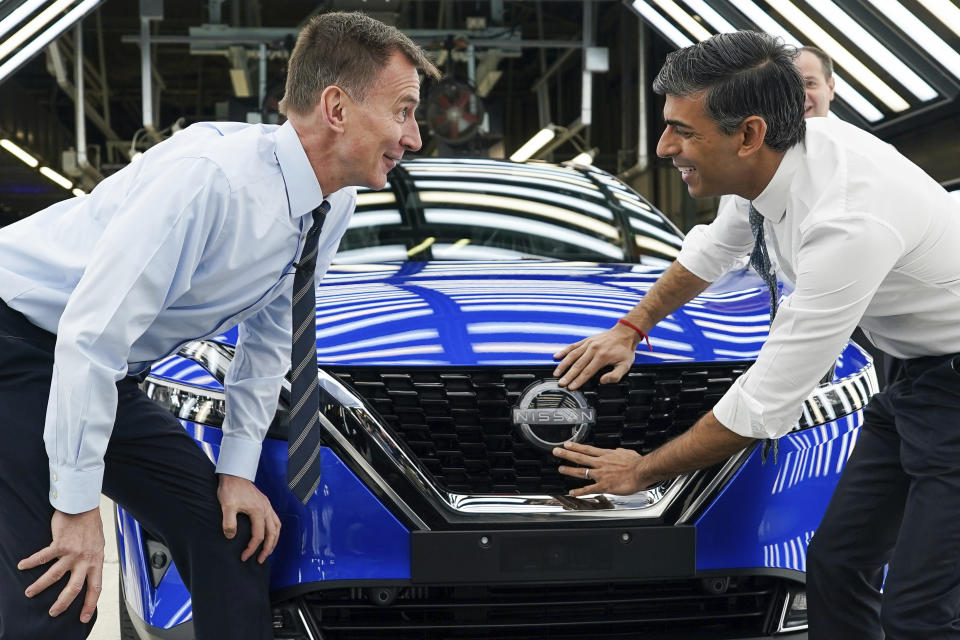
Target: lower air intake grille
{"x": 457, "y": 422}
{"x": 673, "y": 609}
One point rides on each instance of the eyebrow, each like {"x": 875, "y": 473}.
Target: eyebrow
{"x": 678, "y": 123}
{"x": 409, "y": 99}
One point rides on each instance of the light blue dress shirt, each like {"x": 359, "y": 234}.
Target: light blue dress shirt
{"x": 196, "y": 237}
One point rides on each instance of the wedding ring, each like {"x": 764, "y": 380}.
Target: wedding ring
{"x": 586, "y": 474}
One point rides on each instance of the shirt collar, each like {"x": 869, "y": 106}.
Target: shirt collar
{"x": 772, "y": 201}
{"x": 303, "y": 188}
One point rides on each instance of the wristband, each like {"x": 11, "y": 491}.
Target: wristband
{"x": 643, "y": 336}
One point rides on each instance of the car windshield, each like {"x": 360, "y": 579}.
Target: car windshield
{"x": 495, "y": 210}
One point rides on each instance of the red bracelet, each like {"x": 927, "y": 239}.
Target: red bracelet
{"x": 643, "y": 336}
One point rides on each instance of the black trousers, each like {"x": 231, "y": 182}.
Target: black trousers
{"x": 898, "y": 502}
{"x": 152, "y": 468}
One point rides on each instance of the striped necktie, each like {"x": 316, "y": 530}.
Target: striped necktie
{"x": 303, "y": 448}
{"x": 760, "y": 259}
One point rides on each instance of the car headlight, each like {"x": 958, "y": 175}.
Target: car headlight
{"x": 839, "y": 398}
{"x": 202, "y": 406}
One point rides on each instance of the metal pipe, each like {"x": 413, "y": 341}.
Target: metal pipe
{"x": 146, "y": 75}
{"x": 78, "y": 102}
{"x": 60, "y": 73}
{"x": 263, "y": 74}
{"x": 104, "y": 86}
{"x": 586, "y": 95}
{"x": 643, "y": 124}
{"x": 643, "y": 140}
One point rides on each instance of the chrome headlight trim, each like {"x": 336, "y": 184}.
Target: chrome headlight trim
{"x": 834, "y": 400}
{"x": 195, "y": 404}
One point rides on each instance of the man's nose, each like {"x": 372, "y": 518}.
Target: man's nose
{"x": 411, "y": 136}
{"x": 666, "y": 146}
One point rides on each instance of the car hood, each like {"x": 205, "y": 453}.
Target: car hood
{"x": 520, "y": 313}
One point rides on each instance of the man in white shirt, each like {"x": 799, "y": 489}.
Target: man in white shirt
{"x": 816, "y": 69}
{"x": 867, "y": 237}
{"x": 202, "y": 234}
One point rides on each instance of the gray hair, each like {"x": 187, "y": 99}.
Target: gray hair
{"x": 742, "y": 74}
{"x": 346, "y": 49}
{"x": 825, "y": 61}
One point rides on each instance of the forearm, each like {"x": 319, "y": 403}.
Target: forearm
{"x": 706, "y": 443}
{"x": 673, "y": 289}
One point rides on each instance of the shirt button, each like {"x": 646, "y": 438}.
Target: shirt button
{"x": 54, "y": 477}
{"x": 53, "y": 494}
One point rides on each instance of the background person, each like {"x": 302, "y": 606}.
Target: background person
{"x": 867, "y": 237}
{"x": 198, "y": 236}
{"x": 816, "y": 68}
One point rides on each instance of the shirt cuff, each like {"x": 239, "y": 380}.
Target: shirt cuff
{"x": 239, "y": 457}
{"x": 696, "y": 258}
{"x": 741, "y": 413}
{"x": 75, "y": 491}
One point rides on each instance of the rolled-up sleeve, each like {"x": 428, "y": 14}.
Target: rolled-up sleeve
{"x": 143, "y": 260}
{"x": 709, "y": 251}
{"x": 253, "y": 385}
{"x": 813, "y": 323}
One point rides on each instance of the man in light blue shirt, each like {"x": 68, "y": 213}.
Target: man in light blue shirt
{"x": 199, "y": 236}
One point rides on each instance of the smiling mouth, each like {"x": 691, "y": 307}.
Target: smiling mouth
{"x": 685, "y": 171}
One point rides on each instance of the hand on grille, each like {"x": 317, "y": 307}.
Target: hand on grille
{"x": 582, "y": 360}
{"x": 615, "y": 471}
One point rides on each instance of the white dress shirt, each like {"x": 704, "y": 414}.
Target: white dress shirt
{"x": 196, "y": 237}
{"x": 862, "y": 232}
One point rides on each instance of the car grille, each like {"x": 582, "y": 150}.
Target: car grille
{"x": 665, "y": 609}
{"x": 457, "y": 422}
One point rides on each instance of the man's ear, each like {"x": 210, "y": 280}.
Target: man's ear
{"x": 831, "y": 83}
{"x": 753, "y": 131}
{"x": 331, "y": 107}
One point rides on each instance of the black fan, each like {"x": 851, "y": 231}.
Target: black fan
{"x": 454, "y": 112}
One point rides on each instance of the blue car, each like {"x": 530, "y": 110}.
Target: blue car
{"x": 441, "y": 513}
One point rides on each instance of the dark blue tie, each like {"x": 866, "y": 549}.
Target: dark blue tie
{"x": 760, "y": 259}
{"x": 303, "y": 447}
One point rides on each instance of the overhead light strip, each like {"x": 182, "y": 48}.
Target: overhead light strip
{"x": 56, "y": 177}
{"x": 946, "y": 12}
{"x": 850, "y": 95}
{"x": 684, "y": 19}
{"x": 661, "y": 24}
{"x": 920, "y": 33}
{"x": 534, "y": 144}
{"x": 870, "y": 45}
{"x": 19, "y": 153}
{"x": 856, "y": 100}
{"x": 26, "y": 31}
{"x": 713, "y": 18}
{"x": 839, "y": 53}
{"x": 18, "y": 15}
{"x": 42, "y": 40}
{"x": 582, "y": 158}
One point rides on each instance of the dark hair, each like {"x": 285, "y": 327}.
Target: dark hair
{"x": 744, "y": 73}
{"x": 347, "y": 49}
{"x": 825, "y": 60}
